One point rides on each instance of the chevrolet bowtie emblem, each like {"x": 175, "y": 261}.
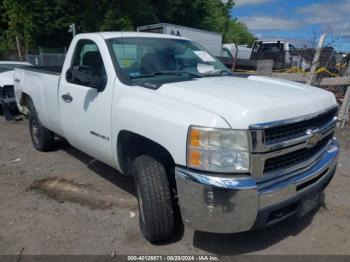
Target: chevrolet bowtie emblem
{"x": 314, "y": 137}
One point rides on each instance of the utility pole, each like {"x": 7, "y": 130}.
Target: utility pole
{"x": 316, "y": 62}
{"x": 343, "y": 114}
{"x": 71, "y": 29}
{"x": 19, "y": 49}
{"x": 347, "y": 71}
{"x": 234, "y": 64}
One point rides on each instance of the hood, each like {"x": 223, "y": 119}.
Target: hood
{"x": 253, "y": 100}
{"x": 6, "y": 78}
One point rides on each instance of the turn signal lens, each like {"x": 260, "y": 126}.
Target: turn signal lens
{"x": 195, "y": 158}
{"x": 195, "y": 137}
{"x": 218, "y": 150}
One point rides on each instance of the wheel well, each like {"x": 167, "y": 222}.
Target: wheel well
{"x": 27, "y": 102}
{"x": 132, "y": 145}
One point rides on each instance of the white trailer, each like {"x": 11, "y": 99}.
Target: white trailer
{"x": 211, "y": 41}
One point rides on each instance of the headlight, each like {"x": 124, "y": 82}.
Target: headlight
{"x": 218, "y": 150}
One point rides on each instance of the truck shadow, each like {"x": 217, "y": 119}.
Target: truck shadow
{"x": 220, "y": 244}
{"x": 125, "y": 183}
{"x": 251, "y": 241}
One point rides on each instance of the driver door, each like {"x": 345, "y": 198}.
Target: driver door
{"x": 85, "y": 109}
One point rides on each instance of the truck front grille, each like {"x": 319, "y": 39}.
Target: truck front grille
{"x": 290, "y": 131}
{"x": 295, "y": 158}
{"x": 283, "y": 147}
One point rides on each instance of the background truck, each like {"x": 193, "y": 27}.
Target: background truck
{"x": 282, "y": 53}
{"x": 220, "y": 153}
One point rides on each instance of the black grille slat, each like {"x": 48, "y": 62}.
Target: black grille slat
{"x": 7, "y": 92}
{"x": 290, "y": 131}
{"x": 295, "y": 158}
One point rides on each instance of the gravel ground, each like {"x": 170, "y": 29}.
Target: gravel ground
{"x": 64, "y": 202}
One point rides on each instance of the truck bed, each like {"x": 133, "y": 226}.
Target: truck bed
{"x": 41, "y": 84}
{"x": 55, "y": 70}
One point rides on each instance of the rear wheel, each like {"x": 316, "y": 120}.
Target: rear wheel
{"x": 42, "y": 138}
{"x": 157, "y": 215}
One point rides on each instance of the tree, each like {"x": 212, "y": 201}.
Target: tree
{"x": 18, "y": 22}
{"x": 238, "y": 33}
{"x": 45, "y": 22}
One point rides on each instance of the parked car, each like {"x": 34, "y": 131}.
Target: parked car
{"x": 7, "y": 97}
{"x": 230, "y": 50}
{"x": 224, "y": 153}
{"x": 243, "y": 52}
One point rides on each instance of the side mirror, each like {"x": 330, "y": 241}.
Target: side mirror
{"x": 85, "y": 76}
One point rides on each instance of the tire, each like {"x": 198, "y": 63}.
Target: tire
{"x": 42, "y": 138}
{"x": 156, "y": 210}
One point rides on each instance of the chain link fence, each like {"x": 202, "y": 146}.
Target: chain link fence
{"x": 285, "y": 56}
{"x": 47, "y": 57}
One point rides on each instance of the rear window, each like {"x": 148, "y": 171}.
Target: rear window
{"x": 268, "y": 47}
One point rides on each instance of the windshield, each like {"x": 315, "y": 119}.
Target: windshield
{"x": 147, "y": 59}
{"x": 10, "y": 67}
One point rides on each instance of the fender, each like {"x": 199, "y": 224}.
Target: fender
{"x": 158, "y": 118}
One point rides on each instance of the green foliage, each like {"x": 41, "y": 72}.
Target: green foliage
{"x": 237, "y": 32}
{"x": 45, "y": 22}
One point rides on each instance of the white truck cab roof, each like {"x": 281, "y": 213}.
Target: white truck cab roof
{"x": 14, "y": 63}
{"x": 109, "y": 35}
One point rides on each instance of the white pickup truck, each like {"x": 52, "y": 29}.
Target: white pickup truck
{"x": 221, "y": 153}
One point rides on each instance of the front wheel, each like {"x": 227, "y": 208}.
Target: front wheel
{"x": 42, "y": 138}
{"x": 157, "y": 215}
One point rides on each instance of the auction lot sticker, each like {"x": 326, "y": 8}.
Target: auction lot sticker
{"x": 174, "y": 258}
{"x": 204, "y": 56}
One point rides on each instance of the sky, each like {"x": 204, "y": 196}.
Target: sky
{"x": 301, "y": 21}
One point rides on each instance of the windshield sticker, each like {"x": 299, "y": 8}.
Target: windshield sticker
{"x": 134, "y": 74}
{"x": 204, "y": 56}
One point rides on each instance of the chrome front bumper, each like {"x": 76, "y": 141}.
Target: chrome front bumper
{"x": 233, "y": 203}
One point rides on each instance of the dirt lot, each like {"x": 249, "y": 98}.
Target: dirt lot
{"x": 64, "y": 202}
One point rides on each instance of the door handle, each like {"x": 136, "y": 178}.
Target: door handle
{"x": 67, "y": 98}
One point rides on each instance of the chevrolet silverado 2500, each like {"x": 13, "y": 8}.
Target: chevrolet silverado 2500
{"x": 218, "y": 152}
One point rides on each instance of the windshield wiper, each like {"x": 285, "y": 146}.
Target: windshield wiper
{"x": 176, "y": 73}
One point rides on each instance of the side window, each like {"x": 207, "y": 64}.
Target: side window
{"x": 291, "y": 47}
{"x": 87, "y": 65}
{"x": 226, "y": 53}
{"x": 257, "y": 46}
